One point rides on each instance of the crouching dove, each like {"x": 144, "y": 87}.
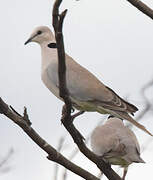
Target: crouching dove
{"x": 87, "y": 93}
{"x": 116, "y": 143}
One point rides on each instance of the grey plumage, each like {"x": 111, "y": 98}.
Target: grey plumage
{"x": 86, "y": 91}
{"x": 116, "y": 143}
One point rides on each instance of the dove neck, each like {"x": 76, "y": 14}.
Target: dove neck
{"x": 48, "y": 55}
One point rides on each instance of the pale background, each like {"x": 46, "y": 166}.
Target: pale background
{"x": 110, "y": 38}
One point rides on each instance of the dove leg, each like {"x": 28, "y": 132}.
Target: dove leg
{"x": 125, "y": 172}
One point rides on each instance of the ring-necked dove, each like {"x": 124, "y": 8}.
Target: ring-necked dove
{"x": 87, "y": 93}
{"x": 116, "y": 143}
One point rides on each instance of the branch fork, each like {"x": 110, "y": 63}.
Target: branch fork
{"x": 67, "y": 119}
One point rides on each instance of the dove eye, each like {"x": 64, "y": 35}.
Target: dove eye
{"x": 39, "y": 32}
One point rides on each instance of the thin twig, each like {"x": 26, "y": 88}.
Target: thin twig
{"x": 60, "y": 145}
{"x": 76, "y": 151}
{"x": 6, "y": 158}
{"x": 147, "y": 103}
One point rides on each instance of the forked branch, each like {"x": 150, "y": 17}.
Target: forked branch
{"x": 53, "y": 155}
{"x": 67, "y": 118}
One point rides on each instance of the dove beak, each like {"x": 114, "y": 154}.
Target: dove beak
{"x": 30, "y": 39}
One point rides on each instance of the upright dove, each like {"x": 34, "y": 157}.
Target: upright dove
{"x": 116, "y": 143}
{"x": 87, "y": 93}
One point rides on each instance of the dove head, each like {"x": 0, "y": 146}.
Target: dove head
{"x": 41, "y": 35}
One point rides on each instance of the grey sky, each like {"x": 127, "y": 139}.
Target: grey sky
{"x": 110, "y": 38}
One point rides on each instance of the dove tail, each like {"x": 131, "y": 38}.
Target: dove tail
{"x": 129, "y": 118}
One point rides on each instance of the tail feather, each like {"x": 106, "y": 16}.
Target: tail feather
{"x": 130, "y": 107}
{"x": 140, "y": 160}
{"x": 129, "y": 118}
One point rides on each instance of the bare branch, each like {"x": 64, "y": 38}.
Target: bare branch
{"x": 67, "y": 118}
{"x": 4, "y": 161}
{"x": 71, "y": 157}
{"x": 57, "y": 24}
{"x": 142, "y": 7}
{"x": 147, "y": 103}
{"x": 60, "y": 145}
{"x": 76, "y": 151}
{"x": 52, "y": 153}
